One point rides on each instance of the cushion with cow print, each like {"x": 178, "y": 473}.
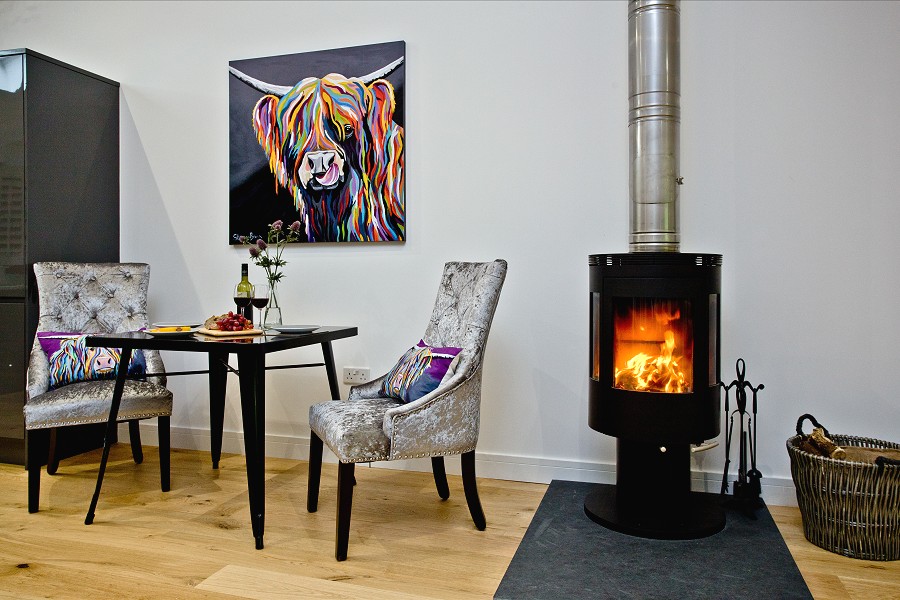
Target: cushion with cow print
{"x": 71, "y": 360}
{"x": 420, "y": 371}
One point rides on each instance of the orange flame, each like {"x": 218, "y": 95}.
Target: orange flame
{"x": 661, "y": 373}
{"x": 638, "y": 333}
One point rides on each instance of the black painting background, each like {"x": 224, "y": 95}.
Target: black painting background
{"x": 253, "y": 201}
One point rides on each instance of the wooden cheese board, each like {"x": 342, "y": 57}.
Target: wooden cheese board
{"x": 221, "y": 333}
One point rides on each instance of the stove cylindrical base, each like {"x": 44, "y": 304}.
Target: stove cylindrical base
{"x": 701, "y": 516}
{"x": 652, "y": 497}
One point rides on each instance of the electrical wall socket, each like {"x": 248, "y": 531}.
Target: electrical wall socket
{"x": 354, "y": 375}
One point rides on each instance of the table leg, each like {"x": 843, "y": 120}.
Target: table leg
{"x": 252, "y": 373}
{"x": 118, "y": 388}
{"x": 331, "y": 371}
{"x": 218, "y": 373}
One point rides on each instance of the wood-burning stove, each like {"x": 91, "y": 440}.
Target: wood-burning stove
{"x": 654, "y": 373}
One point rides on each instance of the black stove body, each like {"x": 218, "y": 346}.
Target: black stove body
{"x": 654, "y": 364}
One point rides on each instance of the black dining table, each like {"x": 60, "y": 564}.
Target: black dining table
{"x": 251, "y": 354}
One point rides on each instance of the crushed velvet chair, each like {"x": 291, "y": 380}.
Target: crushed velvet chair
{"x": 371, "y": 426}
{"x": 90, "y": 298}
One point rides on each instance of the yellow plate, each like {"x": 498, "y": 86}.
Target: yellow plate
{"x": 170, "y": 331}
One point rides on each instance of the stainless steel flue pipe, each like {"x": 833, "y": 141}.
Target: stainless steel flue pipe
{"x": 654, "y": 120}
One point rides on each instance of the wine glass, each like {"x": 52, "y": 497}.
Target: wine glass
{"x": 242, "y": 297}
{"x": 260, "y": 299}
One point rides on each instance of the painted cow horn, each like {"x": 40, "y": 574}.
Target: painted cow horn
{"x": 281, "y": 90}
{"x": 383, "y": 72}
{"x": 262, "y": 86}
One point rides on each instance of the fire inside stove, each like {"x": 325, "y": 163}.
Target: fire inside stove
{"x": 653, "y": 345}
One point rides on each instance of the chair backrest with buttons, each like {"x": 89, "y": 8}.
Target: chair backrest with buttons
{"x": 95, "y": 298}
{"x": 92, "y": 297}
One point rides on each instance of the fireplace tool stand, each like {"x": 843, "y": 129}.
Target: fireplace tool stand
{"x": 747, "y": 489}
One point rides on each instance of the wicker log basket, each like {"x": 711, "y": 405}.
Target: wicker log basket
{"x": 850, "y": 498}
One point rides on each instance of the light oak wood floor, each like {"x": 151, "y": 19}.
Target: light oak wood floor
{"x": 195, "y": 541}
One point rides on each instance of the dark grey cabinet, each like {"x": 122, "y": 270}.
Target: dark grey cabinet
{"x": 59, "y": 200}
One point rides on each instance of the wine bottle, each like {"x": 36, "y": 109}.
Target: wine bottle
{"x": 243, "y": 294}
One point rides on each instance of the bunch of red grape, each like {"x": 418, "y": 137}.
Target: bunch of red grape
{"x": 233, "y": 322}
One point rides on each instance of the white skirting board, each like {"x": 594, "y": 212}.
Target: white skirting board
{"x": 776, "y": 491}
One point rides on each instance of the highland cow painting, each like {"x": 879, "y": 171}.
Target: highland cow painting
{"x": 318, "y": 137}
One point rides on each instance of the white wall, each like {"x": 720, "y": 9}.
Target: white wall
{"x": 516, "y": 118}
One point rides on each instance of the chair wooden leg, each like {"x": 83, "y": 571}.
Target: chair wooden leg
{"x": 315, "y": 472}
{"x": 52, "y": 457}
{"x": 471, "y": 490}
{"x": 162, "y": 424}
{"x": 134, "y": 433}
{"x": 440, "y": 477}
{"x": 344, "y": 504}
{"x": 34, "y": 459}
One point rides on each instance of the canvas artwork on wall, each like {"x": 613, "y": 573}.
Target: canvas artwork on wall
{"x": 318, "y": 137}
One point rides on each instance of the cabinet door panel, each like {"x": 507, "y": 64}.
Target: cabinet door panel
{"x": 12, "y": 178}
{"x": 72, "y": 165}
{"x": 12, "y": 370}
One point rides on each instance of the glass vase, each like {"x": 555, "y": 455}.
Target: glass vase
{"x": 272, "y": 316}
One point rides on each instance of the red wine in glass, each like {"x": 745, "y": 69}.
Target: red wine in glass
{"x": 260, "y": 299}
{"x": 242, "y": 297}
